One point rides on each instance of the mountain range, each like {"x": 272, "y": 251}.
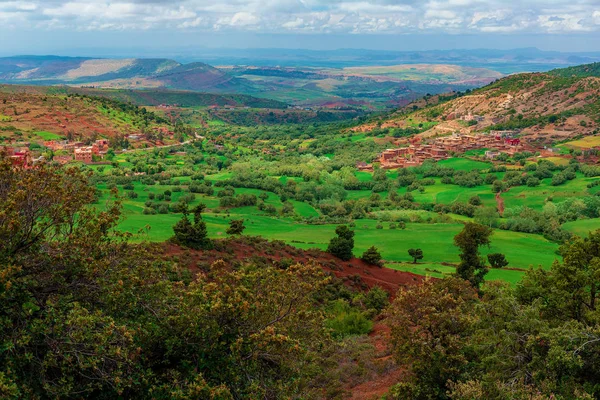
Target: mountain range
{"x": 368, "y": 86}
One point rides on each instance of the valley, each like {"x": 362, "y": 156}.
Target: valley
{"x": 296, "y": 182}
{"x": 329, "y": 213}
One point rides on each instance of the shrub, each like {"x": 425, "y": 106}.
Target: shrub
{"x": 149, "y": 211}
{"x": 377, "y": 299}
{"x": 346, "y": 321}
{"x": 475, "y": 200}
{"x": 497, "y": 260}
{"x": 372, "y": 256}
{"x": 342, "y": 245}
{"x": 533, "y": 182}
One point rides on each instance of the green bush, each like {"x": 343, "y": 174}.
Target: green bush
{"x": 347, "y": 321}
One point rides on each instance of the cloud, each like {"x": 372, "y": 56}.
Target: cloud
{"x": 316, "y": 16}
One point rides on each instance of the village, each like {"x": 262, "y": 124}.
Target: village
{"x": 413, "y": 152}
{"x": 67, "y": 151}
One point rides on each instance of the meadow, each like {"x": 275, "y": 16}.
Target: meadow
{"x": 435, "y": 239}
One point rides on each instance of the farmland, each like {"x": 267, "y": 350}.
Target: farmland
{"x": 281, "y": 207}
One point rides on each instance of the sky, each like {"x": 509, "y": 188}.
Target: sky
{"x": 68, "y": 26}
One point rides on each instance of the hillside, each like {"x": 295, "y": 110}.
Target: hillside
{"x": 38, "y": 113}
{"x": 550, "y": 107}
{"x": 116, "y": 73}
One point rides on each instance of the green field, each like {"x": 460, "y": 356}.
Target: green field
{"x": 522, "y": 250}
{"x": 47, "y": 135}
{"x": 464, "y": 164}
{"x": 583, "y": 227}
{"x": 585, "y": 143}
{"x": 536, "y": 197}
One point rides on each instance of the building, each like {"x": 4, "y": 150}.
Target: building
{"x": 363, "y": 166}
{"x": 491, "y": 155}
{"x": 470, "y": 117}
{"x": 84, "y": 154}
{"x": 19, "y": 156}
{"x": 441, "y": 148}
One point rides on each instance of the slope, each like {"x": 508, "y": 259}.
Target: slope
{"x": 555, "y": 106}
{"x": 36, "y": 114}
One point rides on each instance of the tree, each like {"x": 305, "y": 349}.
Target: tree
{"x": 194, "y": 236}
{"x": 86, "y": 314}
{"x": 475, "y": 200}
{"x": 416, "y": 254}
{"x": 236, "y": 227}
{"x": 487, "y": 216}
{"x": 572, "y": 287}
{"x": 342, "y": 245}
{"x": 430, "y": 324}
{"x": 372, "y": 256}
{"x": 472, "y": 266}
{"x": 497, "y": 260}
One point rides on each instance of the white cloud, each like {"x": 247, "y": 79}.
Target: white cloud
{"x": 342, "y": 16}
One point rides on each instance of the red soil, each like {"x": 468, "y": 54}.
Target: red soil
{"x": 380, "y": 385}
{"x": 500, "y": 203}
{"x": 355, "y": 273}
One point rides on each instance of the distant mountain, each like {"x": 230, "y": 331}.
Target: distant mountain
{"x": 117, "y": 73}
{"x": 149, "y": 97}
{"x": 199, "y": 77}
{"x": 504, "y": 61}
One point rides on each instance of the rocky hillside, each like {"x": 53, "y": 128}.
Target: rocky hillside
{"x": 551, "y": 106}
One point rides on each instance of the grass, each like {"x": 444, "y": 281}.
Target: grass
{"x": 558, "y": 160}
{"x": 47, "y": 135}
{"x": 583, "y": 227}
{"x": 436, "y": 240}
{"x": 447, "y": 194}
{"x": 535, "y": 197}
{"x": 364, "y": 176}
{"x": 585, "y": 143}
{"x": 464, "y": 164}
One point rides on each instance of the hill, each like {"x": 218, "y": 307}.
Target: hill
{"x": 128, "y": 72}
{"x": 370, "y": 86}
{"x": 358, "y": 87}
{"x": 35, "y": 113}
{"x": 549, "y": 107}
